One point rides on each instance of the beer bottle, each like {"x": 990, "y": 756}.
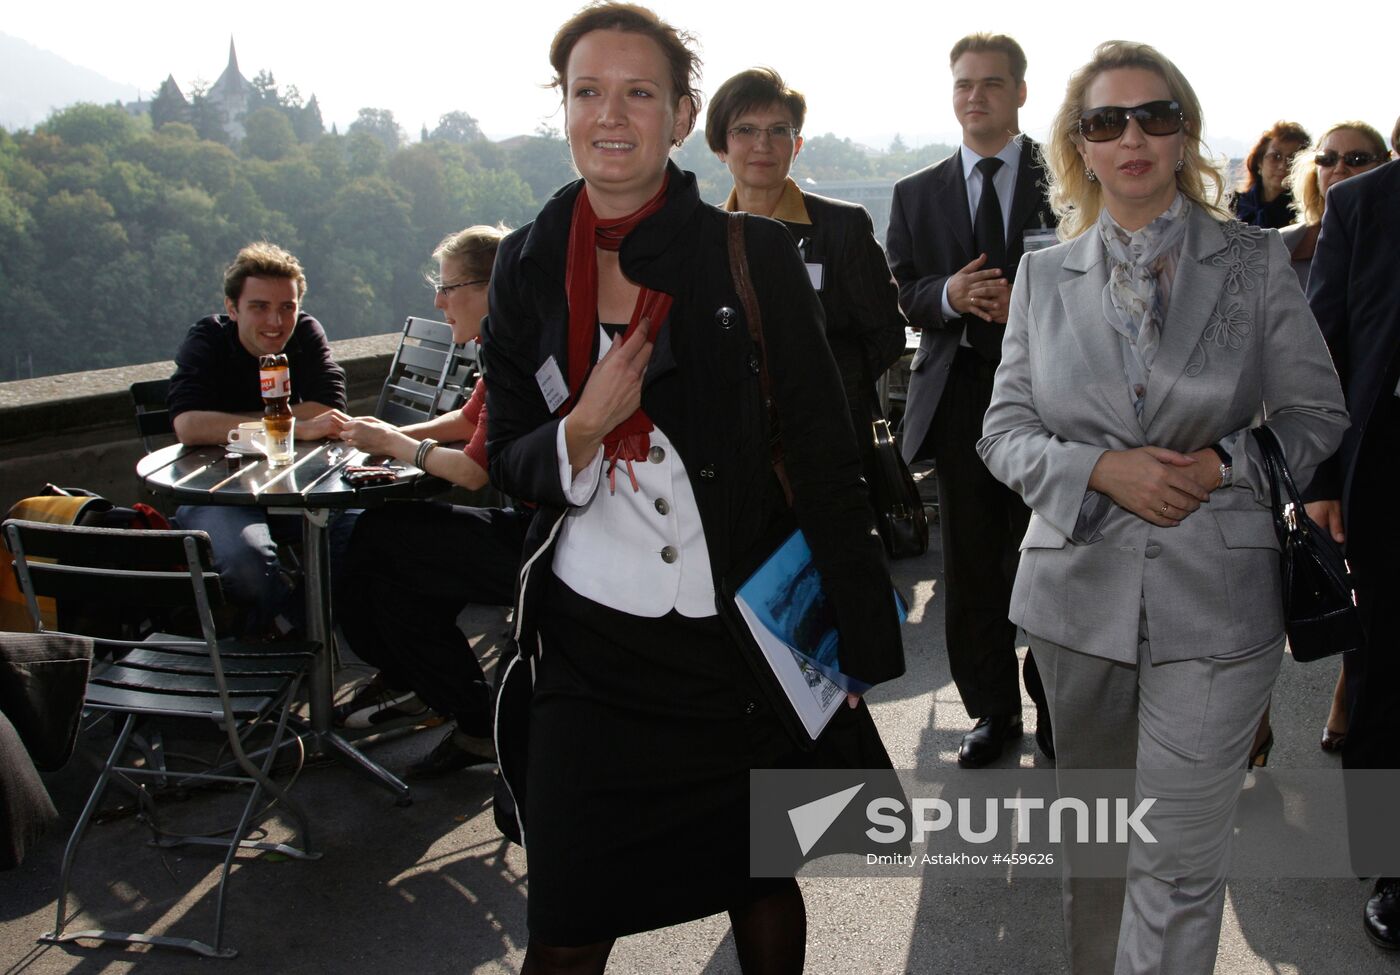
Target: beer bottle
{"x": 276, "y": 380}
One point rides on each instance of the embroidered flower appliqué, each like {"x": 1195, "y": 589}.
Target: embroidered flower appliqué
{"x": 1242, "y": 259}
{"x": 1231, "y": 321}
{"x": 1228, "y": 327}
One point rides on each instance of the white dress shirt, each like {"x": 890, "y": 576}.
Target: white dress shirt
{"x": 641, "y": 552}
{"x": 1005, "y": 182}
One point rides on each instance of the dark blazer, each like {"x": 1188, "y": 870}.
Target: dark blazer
{"x": 929, "y": 240}
{"x": 864, "y": 325}
{"x": 1355, "y": 296}
{"x": 702, "y": 388}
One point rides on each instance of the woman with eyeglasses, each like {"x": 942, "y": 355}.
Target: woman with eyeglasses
{"x": 1263, "y": 198}
{"x": 413, "y": 566}
{"x": 1344, "y": 150}
{"x": 627, "y": 399}
{"x": 754, "y": 126}
{"x": 1138, "y": 354}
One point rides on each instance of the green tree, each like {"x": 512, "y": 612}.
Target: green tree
{"x": 268, "y": 135}
{"x": 458, "y": 127}
{"x": 204, "y": 116}
{"x": 169, "y": 105}
{"x": 307, "y": 121}
{"x": 380, "y": 124}
{"x": 365, "y": 154}
{"x": 98, "y": 125}
{"x": 542, "y": 160}
{"x": 830, "y": 157}
{"x": 264, "y": 92}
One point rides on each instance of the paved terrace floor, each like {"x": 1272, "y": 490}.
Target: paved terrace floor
{"x": 434, "y": 889}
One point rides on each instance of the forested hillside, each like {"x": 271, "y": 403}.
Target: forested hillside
{"x": 114, "y": 234}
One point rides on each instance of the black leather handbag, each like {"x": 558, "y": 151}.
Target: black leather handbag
{"x": 899, "y": 511}
{"x": 1319, "y": 603}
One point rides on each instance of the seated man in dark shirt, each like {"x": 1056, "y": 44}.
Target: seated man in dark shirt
{"x": 216, "y": 387}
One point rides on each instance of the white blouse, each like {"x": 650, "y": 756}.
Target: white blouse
{"x": 641, "y": 552}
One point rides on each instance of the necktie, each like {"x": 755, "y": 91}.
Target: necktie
{"x": 989, "y": 236}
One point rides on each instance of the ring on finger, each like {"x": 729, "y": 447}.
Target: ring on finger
{"x": 1164, "y": 507}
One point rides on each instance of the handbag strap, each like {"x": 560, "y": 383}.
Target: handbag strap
{"x": 743, "y": 283}
{"x": 1281, "y": 484}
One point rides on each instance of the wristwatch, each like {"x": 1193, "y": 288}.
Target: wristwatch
{"x": 1227, "y": 470}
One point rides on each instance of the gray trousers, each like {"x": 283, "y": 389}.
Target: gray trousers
{"x": 1165, "y": 720}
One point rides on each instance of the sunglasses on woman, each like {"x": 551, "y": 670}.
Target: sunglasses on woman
{"x": 1154, "y": 118}
{"x": 1355, "y": 159}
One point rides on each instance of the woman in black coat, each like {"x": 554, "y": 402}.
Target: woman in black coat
{"x": 754, "y": 126}
{"x": 1264, "y": 198}
{"x": 624, "y": 394}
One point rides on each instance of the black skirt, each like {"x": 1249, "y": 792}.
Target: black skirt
{"x": 642, "y": 735}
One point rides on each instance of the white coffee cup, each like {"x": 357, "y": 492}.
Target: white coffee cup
{"x": 253, "y": 437}
{"x": 248, "y": 438}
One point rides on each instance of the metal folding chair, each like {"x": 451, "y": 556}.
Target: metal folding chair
{"x": 243, "y": 689}
{"x": 152, "y": 415}
{"x": 419, "y": 373}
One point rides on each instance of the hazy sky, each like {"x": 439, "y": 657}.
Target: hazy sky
{"x": 869, "y": 68}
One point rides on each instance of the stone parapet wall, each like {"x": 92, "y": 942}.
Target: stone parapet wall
{"x": 77, "y": 429}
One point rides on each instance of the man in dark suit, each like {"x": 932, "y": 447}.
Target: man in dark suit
{"x": 1355, "y": 295}
{"x": 953, "y": 247}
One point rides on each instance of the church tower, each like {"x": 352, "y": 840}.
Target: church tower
{"x": 230, "y": 95}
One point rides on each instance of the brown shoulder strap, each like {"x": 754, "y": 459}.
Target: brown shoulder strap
{"x": 743, "y": 283}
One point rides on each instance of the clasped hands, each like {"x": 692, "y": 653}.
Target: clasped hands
{"x": 984, "y": 293}
{"x": 1158, "y": 485}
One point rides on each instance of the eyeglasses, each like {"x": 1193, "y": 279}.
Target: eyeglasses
{"x": 1154, "y": 118}
{"x": 747, "y": 134}
{"x": 445, "y": 289}
{"x": 1274, "y": 156}
{"x": 1354, "y": 159}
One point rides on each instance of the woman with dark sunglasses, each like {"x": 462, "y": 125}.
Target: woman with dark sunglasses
{"x": 1138, "y": 355}
{"x": 1344, "y": 150}
{"x": 1263, "y": 198}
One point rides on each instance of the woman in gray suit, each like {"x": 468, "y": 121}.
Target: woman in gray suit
{"x": 1137, "y": 356}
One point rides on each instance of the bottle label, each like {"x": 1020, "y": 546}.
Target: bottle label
{"x": 276, "y": 383}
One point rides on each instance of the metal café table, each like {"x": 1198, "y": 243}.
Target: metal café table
{"x": 311, "y": 484}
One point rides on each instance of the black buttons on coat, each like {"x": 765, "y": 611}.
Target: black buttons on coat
{"x": 726, "y": 317}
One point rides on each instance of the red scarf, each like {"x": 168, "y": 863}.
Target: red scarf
{"x": 630, "y": 439}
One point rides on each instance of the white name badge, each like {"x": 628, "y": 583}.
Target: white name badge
{"x": 817, "y": 273}
{"x": 1038, "y": 238}
{"x": 552, "y": 384}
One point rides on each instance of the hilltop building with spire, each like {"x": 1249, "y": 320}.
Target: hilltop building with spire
{"x": 228, "y": 98}
{"x": 223, "y": 107}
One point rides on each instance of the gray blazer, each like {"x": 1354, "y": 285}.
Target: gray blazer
{"x": 1239, "y": 344}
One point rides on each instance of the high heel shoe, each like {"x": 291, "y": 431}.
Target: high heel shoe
{"x": 1332, "y": 741}
{"x": 1260, "y": 756}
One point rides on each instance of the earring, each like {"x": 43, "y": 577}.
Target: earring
{"x": 1180, "y": 165}
{"x": 1090, "y": 175}
{"x": 677, "y": 142}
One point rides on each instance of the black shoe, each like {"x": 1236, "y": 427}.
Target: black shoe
{"x": 455, "y": 752}
{"x": 1382, "y": 914}
{"x": 1044, "y": 735}
{"x": 982, "y": 745}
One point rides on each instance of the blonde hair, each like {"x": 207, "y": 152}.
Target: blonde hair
{"x": 1076, "y": 199}
{"x": 474, "y": 249}
{"x": 1308, "y": 201}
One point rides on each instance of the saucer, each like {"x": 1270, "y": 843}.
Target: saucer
{"x": 247, "y": 449}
